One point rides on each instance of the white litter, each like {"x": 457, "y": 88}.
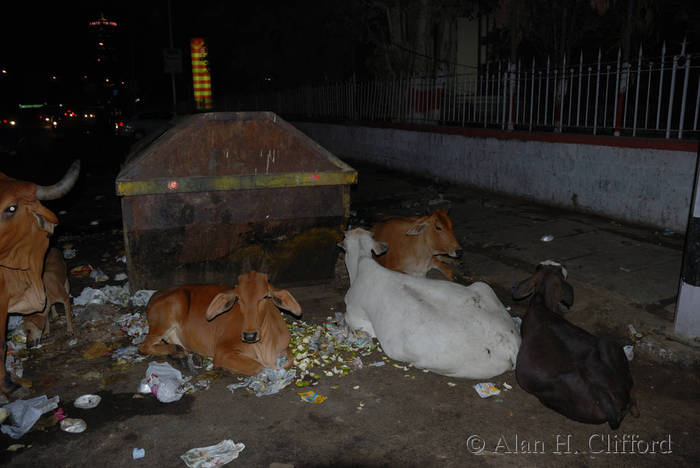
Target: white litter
{"x": 69, "y": 253}
{"x": 87, "y": 401}
{"x": 486, "y": 389}
{"x": 120, "y": 277}
{"x": 214, "y": 455}
{"x": 164, "y": 382}
{"x": 629, "y": 352}
{"x": 141, "y": 297}
{"x": 73, "y": 425}
{"x": 138, "y": 453}
{"x": 547, "y": 238}
{"x": 24, "y": 413}
{"x": 98, "y": 275}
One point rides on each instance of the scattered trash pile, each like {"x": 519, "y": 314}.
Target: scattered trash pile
{"x": 214, "y": 455}
{"x": 329, "y": 349}
{"x": 117, "y": 295}
{"x": 269, "y": 381}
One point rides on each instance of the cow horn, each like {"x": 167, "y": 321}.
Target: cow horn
{"x": 62, "y": 187}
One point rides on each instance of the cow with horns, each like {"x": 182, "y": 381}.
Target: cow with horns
{"x": 25, "y": 227}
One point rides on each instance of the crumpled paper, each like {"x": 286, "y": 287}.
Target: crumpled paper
{"x": 25, "y": 413}
{"x": 268, "y": 382}
{"x": 119, "y": 295}
{"x": 214, "y": 455}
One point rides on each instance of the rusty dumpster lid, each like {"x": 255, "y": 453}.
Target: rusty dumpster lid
{"x": 229, "y": 151}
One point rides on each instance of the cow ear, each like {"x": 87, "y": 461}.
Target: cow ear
{"x": 525, "y": 288}
{"x": 221, "y": 303}
{"x": 417, "y": 228}
{"x": 379, "y": 247}
{"x": 284, "y": 300}
{"x": 567, "y": 294}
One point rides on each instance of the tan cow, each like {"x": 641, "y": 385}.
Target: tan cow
{"x": 25, "y": 227}
{"x": 240, "y": 327}
{"x": 57, "y": 292}
{"x": 414, "y": 241}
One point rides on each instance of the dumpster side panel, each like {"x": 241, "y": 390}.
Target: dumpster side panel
{"x": 212, "y": 237}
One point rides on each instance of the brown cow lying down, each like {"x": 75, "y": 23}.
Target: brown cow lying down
{"x": 414, "y": 241}
{"x": 25, "y": 227}
{"x": 577, "y": 374}
{"x": 57, "y": 292}
{"x": 240, "y": 327}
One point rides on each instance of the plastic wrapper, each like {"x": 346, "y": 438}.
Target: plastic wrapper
{"x": 214, "y": 455}
{"x": 486, "y": 389}
{"x": 164, "y": 382}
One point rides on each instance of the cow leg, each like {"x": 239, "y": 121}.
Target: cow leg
{"x": 7, "y": 386}
{"x": 155, "y": 346}
{"x": 438, "y": 265}
{"x": 69, "y": 316}
{"x": 47, "y": 319}
{"x": 237, "y": 363}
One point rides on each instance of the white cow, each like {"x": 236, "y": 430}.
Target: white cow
{"x": 445, "y": 327}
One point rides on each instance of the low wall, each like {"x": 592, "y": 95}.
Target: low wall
{"x": 636, "y": 180}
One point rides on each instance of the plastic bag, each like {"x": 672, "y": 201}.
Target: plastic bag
{"x": 212, "y": 456}
{"x": 164, "y": 382}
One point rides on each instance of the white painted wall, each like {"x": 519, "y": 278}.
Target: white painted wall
{"x": 648, "y": 186}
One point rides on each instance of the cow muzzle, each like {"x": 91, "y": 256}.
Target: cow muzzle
{"x": 250, "y": 337}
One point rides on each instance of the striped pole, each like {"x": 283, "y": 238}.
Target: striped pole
{"x": 201, "y": 79}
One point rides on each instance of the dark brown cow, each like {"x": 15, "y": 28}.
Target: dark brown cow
{"x": 240, "y": 327}
{"x": 25, "y": 227}
{"x": 414, "y": 242}
{"x": 577, "y": 374}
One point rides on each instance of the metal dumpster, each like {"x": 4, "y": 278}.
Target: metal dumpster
{"x": 223, "y": 193}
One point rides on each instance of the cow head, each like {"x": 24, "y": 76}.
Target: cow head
{"x": 359, "y": 243}
{"x": 437, "y": 230}
{"x": 255, "y": 297}
{"x": 25, "y": 223}
{"x": 550, "y": 281}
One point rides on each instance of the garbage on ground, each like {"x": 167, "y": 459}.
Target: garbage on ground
{"x": 97, "y": 349}
{"x": 128, "y": 354}
{"x": 629, "y": 352}
{"x": 625, "y": 269}
{"x": 138, "y": 453}
{"x": 330, "y": 349}
{"x": 94, "y": 223}
{"x": 23, "y": 414}
{"x": 87, "y": 401}
{"x": 214, "y": 455}
{"x": 120, "y": 277}
{"x": 81, "y": 270}
{"x": 451, "y": 384}
{"x": 120, "y": 259}
{"x": 69, "y": 253}
{"x": 507, "y": 387}
{"x": 73, "y": 342}
{"x": 14, "y": 321}
{"x": 312, "y": 397}
{"x": 633, "y": 331}
{"x": 59, "y": 415}
{"x": 141, "y": 297}
{"x": 15, "y": 447}
{"x": 486, "y": 389}
{"x": 668, "y": 232}
{"x": 164, "y": 382}
{"x": 547, "y": 238}
{"x": 376, "y": 364}
{"x": 3, "y": 415}
{"x": 268, "y": 382}
{"x": 118, "y": 295}
{"x": 98, "y": 275}
{"x": 135, "y": 325}
{"x": 73, "y": 425}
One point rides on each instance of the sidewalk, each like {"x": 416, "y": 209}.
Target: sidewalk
{"x": 622, "y": 274}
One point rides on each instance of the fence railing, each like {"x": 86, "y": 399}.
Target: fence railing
{"x": 652, "y": 97}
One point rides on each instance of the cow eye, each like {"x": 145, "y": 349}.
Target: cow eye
{"x": 9, "y": 211}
